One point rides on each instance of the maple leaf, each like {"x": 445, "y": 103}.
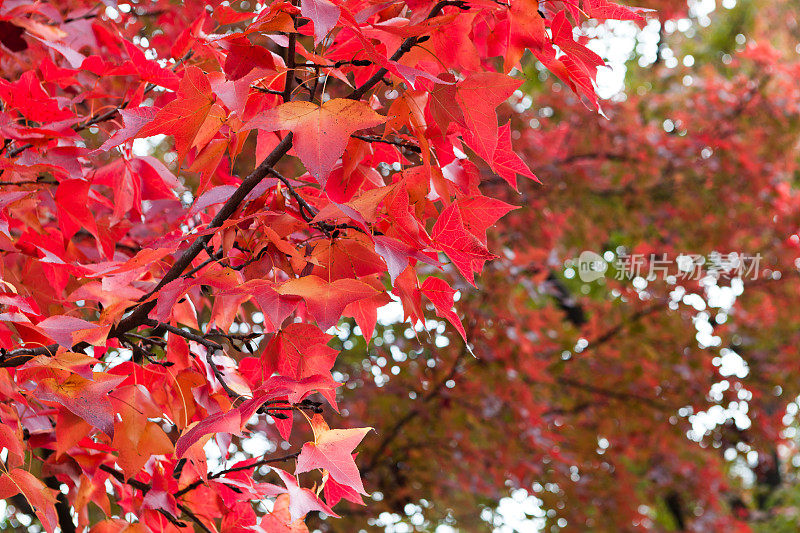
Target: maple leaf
{"x": 526, "y": 30}
{"x": 275, "y": 305}
{"x": 323, "y": 13}
{"x": 471, "y": 104}
{"x": 133, "y": 121}
{"x": 135, "y": 437}
{"x": 243, "y": 57}
{"x": 222, "y": 422}
{"x": 479, "y": 213}
{"x": 41, "y": 498}
{"x": 301, "y": 500}
{"x": 578, "y": 66}
{"x": 27, "y": 96}
{"x": 506, "y": 163}
{"x": 160, "y": 496}
{"x": 147, "y": 69}
{"x": 184, "y": 117}
{"x": 72, "y": 199}
{"x": 441, "y": 295}
{"x": 321, "y": 132}
{"x": 464, "y": 249}
{"x": 334, "y": 492}
{"x": 406, "y": 287}
{"x": 11, "y": 441}
{"x": 332, "y": 451}
{"x": 397, "y": 254}
{"x": 70, "y": 430}
{"x": 68, "y": 330}
{"x": 280, "y": 519}
{"x": 604, "y": 9}
{"x": 233, "y": 420}
{"x": 297, "y": 351}
{"x": 85, "y": 398}
{"x": 326, "y": 301}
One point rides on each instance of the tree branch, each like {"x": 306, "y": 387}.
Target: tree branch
{"x": 139, "y": 313}
{"x": 374, "y": 139}
{"x": 217, "y": 475}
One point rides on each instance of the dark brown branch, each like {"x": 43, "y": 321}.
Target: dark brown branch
{"x": 216, "y": 475}
{"x": 119, "y": 476}
{"x": 200, "y": 267}
{"x": 185, "y": 510}
{"x": 140, "y": 312}
{"x": 290, "y": 67}
{"x": 189, "y": 335}
{"x": 211, "y": 349}
{"x": 265, "y": 90}
{"x": 402, "y": 144}
{"x": 27, "y": 182}
{"x": 306, "y": 211}
{"x": 21, "y": 356}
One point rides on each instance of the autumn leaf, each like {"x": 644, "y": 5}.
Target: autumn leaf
{"x": 301, "y": 500}
{"x": 222, "y": 422}
{"x": 280, "y": 520}
{"x": 11, "y": 441}
{"x": 506, "y": 163}
{"x": 86, "y": 398}
{"x": 41, "y": 498}
{"x": 184, "y": 117}
{"x": 321, "y": 132}
{"x": 464, "y": 249}
{"x": 323, "y": 13}
{"x": 136, "y": 437}
{"x": 479, "y": 213}
{"x": 526, "y": 30}
{"x": 335, "y": 492}
{"x": 298, "y": 351}
{"x": 441, "y": 295}
{"x": 471, "y": 104}
{"x": 68, "y": 331}
{"x": 325, "y": 300}
{"x": 133, "y": 121}
{"x": 332, "y": 451}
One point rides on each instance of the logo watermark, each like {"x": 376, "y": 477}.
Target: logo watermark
{"x": 591, "y": 266}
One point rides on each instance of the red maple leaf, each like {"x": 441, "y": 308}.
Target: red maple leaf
{"x": 464, "y": 249}
{"x": 332, "y": 451}
{"x": 321, "y": 132}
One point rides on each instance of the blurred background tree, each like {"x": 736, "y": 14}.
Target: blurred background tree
{"x": 661, "y": 396}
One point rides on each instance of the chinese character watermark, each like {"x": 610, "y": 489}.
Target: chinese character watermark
{"x": 591, "y": 266}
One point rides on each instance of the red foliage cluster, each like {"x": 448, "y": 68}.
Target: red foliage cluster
{"x": 317, "y": 162}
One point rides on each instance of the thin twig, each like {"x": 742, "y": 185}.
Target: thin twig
{"x": 211, "y": 349}
{"x": 193, "y": 485}
{"x": 402, "y": 144}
